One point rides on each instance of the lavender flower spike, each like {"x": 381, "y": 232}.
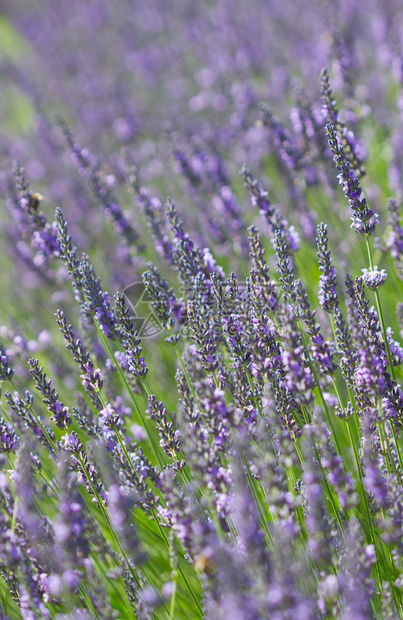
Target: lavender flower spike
{"x": 347, "y": 138}
{"x": 6, "y": 373}
{"x": 59, "y": 413}
{"x": 327, "y": 292}
{"x": 8, "y": 438}
{"x": 364, "y": 219}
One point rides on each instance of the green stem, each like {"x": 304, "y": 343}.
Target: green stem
{"x": 190, "y": 589}
{"x": 106, "y": 517}
{"x": 325, "y": 407}
{"x": 385, "y": 450}
{"x": 386, "y": 341}
{"x": 187, "y": 376}
{"x": 364, "y": 493}
{"x": 252, "y": 389}
{"x": 173, "y": 598}
{"x": 141, "y": 417}
{"x": 328, "y": 489}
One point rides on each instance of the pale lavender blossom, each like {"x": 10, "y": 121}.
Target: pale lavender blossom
{"x": 373, "y": 278}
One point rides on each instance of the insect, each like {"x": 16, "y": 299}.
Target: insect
{"x": 34, "y": 201}
{"x": 203, "y": 563}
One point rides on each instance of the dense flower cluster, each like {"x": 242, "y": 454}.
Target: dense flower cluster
{"x": 221, "y": 436}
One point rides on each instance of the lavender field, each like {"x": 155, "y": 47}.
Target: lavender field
{"x": 201, "y": 310}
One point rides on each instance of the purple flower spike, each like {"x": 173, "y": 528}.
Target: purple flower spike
{"x": 59, "y": 413}
{"x": 8, "y": 438}
{"x": 364, "y": 220}
{"x": 6, "y": 373}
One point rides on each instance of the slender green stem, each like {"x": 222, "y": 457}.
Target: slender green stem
{"x": 106, "y": 517}
{"x": 380, "y": 314}
{"x": 387, "y": 348}
{"x": 173, "y": 598}
{"x": 14, "y": 518}
{"x": 364, "y": 493}
{"x": 325, "y": 407}
{"x": 142, "y": 418}
{"x": 252, "y": 388}
{"x": 298, "y": 451}
{"x": 190, "y": 589}
{"x": 328, "y": 488}
{"x": 124, "y": 449}
{"x": 187, "y": 375}
{"x": 330, "y": 494}
{"x": 385, "y": 450}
